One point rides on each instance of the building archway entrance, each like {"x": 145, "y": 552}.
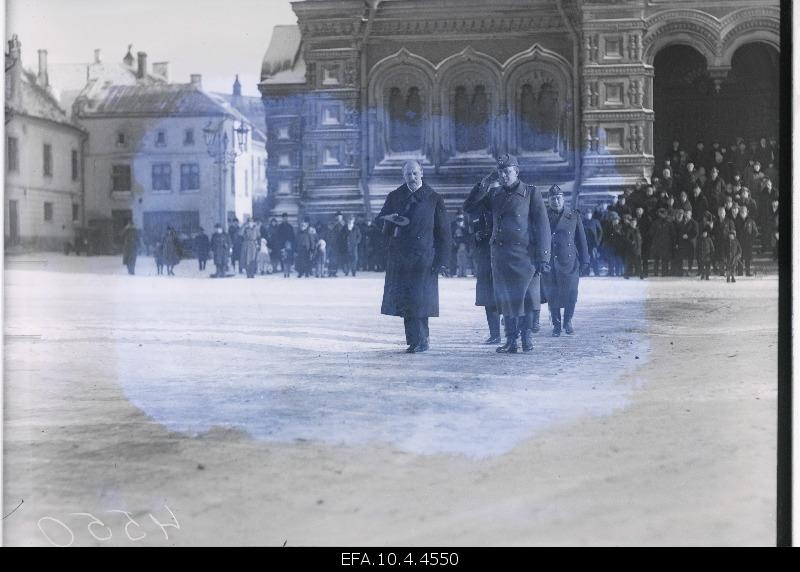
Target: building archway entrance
{"x": 690, "y": 106}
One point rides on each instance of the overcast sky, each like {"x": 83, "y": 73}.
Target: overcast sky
{"x": 216, "y": 38}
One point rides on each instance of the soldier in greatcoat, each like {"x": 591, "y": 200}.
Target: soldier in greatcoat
{"x": 248, "y": 257}
{"x": 415, "y": 222}
{"x": 520, "y": 247}
{"x": 569, "y": 255}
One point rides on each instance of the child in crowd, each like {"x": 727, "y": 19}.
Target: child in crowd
{"x": 262, "y": 258}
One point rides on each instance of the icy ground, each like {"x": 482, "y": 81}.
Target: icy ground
{"x": 312, "y": 359}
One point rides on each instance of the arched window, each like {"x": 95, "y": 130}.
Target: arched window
{"x": 548, "y": 114}
{"x": 471, "y": 119}
{"x": 405, "y": 120}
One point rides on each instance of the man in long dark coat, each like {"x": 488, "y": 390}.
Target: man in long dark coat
{"x": 481, "y": 225}
{"x": 520, "y": 247}
{"x": 351, "y": 238}
{"x": 220, "y": 250}
{"x": 201, "y": 248}
{"x": 130, "y": 246}
{"x": 415, "y": 221}
{"x": 569, "y": 254}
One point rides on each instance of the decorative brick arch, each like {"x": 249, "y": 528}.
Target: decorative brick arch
{"x": 693, "y": 28}
{"x": 749, "y": 25}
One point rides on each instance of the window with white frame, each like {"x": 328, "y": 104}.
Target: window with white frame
{"x": 190, "y": 177}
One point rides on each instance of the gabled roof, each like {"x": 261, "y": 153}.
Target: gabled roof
{"x": 283, "y": 62}
{"x": 36, "y": 101}
{"x": 159, "y": 99}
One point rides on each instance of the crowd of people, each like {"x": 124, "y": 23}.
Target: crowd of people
{"x": 321, "y": 250}
{"x": 703, "y": 211}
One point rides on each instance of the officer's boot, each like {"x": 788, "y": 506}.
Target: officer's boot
{"x": 569, "y": 311}
{"x": 535, "y": 327}
{"x": 512, "y": 334}
{"x": 555, "y": 317}
{"x": 525, "y": 332}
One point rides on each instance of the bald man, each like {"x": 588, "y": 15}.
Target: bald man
{"x": 415, "y": 221}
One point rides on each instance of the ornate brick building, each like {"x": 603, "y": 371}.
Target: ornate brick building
{"x": 574, "y": 88}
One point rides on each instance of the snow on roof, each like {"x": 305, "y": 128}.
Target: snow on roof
{"x": 296, "y": 75}
{"x": 282, "y": 54}
{"x": 35, "y": 101}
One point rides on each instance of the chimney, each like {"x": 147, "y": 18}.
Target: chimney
{"x": 97, "y": 56}
{"x": 161, "y": 69}
{"x": 13, "y": 64}
{"x": 141, "y": 72}
{"x": 197, "y": 81}
{"x": 41, "y": 78}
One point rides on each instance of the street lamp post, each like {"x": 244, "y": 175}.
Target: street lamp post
{"x": 224, "y": 153}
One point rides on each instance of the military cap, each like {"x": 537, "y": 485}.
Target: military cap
{"x": 662, "y": 212}
{"x": 554, "y": 191}
{"x": 506, "y": 160}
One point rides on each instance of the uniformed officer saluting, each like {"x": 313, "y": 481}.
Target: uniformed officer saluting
{"x": 570, "y": 255}
{"x": 519, "y": 246}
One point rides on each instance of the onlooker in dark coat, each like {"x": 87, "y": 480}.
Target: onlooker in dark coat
{"x": 723, "y": 226}
{"x": 172, "y": 250}
{"x": 772, "y": 238}
{"x": 687, "y": 242}
{"x": 594, "y": 240}
{"x": 662, "y": 242}
{"x": 201, "y": 248}
{"x": 336, "y": 248}
{"x": 633, "y": 253}
{"x": 131, "y": 241}
{"x": 733, "y": 254}
{"x": 747, "y": 233}
{"x": 700, "y": 204}
{"x": 705, "y": 253}
{"x": 249, "y": 253}
{"x": 221, "y": 250}
{"x": 234, "y": 232}
{"x": 304, "y": 245}
{"x": 285, "y": 233}
{"x": 351, "y": 240}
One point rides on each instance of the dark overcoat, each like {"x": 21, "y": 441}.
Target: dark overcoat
{"x": 687, "y": 246}
{"x": 130, "y": 245}
{"x": 662, "y": 239}
{"x": 201, "y": 246}
{"x": 220, "y": 248}
{"x": 415, "y": 252}
{"x": 569, "y": 253}
{"x": 520, "y": 236}
{"x": 481, "y": 223}
{"x": 171, "y": 249}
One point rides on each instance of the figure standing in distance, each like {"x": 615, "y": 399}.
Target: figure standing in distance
{"x": 201, "y": 247}
{"x": 569, "y": 256}
{"x": 415, "y": 221}
{"x": 220, "y": 250}
{"x": 249, "y": 252}
{"x": 519, "y": 246}
{"x": 131, "y": 239}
